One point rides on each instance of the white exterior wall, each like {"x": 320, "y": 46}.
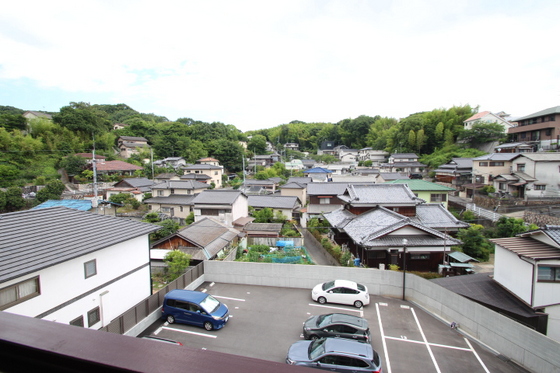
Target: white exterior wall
{"x": 494, "y": 170}
{"x": 513, "y": 273}
{"x": 544, "y": 172}
{"x": 65, "y": 285}
{"x": 553, "y": 327}
{"x": 547, "y": 293}
{"x": 239, "y": 209}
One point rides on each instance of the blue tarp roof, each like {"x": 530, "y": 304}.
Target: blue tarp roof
{"x": 317, "y": 170}
{"x": 76, "y": 204}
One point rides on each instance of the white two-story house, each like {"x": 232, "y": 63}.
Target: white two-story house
{"x": 529, "y": 267}
{"x": 73, "y": 267}
{"x": 223, "y": 205}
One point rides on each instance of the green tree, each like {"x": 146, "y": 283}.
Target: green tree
{"x": 14, "y": 199}
{"x": 2, "y": 200}
{"x": 13, "y": 122}
{"x": 264, "y": 215}
{"x": 257, "y": 144}
{"x": 151, "y": 217}
{"x": 83, "y": 118}
{"x": 168, "y": 228}
{"x": 509, "y": 227}
{"x": 482, "y": 133}
{"x": 475, "y": 243}
{"x": 190, "y": 218}
{"x": 73, "y": 164}
{"x": 177, "y": 263}
{"x": 53, "y": 190}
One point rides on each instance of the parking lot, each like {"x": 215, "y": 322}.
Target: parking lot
{"x": 265, "y": 321}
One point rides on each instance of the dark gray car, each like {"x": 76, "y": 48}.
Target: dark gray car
{"x": 335, "y": 354}
{"x": 336, "y": 325}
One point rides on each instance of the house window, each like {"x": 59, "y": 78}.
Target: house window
{"x": 324, "y": 201}
{"x": 376, "y": 254}
{"x": 540, "y": 187}
{"x": 209, "y": 212}
{"x": 90, "y": 268}
{"x": 18, "y": 293}
{"x": 521, "y": 167}
{"x": 548, "y": 274}
{"x": 523, "y": 135}
{"x": 78, "y": 321}
{"x": 496, "y": 164}
{"x": 438, "y": 197}
{"x": 160, "y": 192}
{"x": 419, "y": 256}
{"x": 483, "y": 164}
{"x": 215, "y": 172}
{"x": 548, "y": 132}
{"x": 93, "y": 317}
{"x": 502, "y": 186}
{"x": 172, "y": 191}
{"x": 181, "y": 208}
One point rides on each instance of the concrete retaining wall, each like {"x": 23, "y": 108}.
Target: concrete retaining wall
{"x": 523, "y": 345}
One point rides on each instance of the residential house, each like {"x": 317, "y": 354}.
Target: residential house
{"x": 324, "y": 198}
{"x": 253, "y": 186}
{"x": 429, "y": 192}
{"x": 531, "y": 175}
{"x": 458, "y": 263}
{"x": 292, "y": 146}
{"x": 224, "y": 205}
{"x": 308, "y": 163}
{"x": 327, "y": 148}
{"x": 485, "y": 117}
{"x": 294, "y": 164}
{"x": 383, "y": 177}
{"x": 487, "y": 167}
{"x": 129, "y": 145}
{"x": 257, "y": 230}
{"x": 143, "y": 184}
{"x": 206, "y": 239}
{"x": 36, "y": 114}
{"x": 287, "y": 206}
{"x": 318, "y": 174}
{"x": 209, "y": 167}
{"x": 119, "y": 126}
{"x": 402, "y": 162}
{"x": 456, "y": 172}
{"x": 514, "y": 147}
{"x": 115, "y": 168}
{"x": 369, "y": 154}
{"x": 295, "y": 189}
{"x": 166, "y": 176}
{"x": 266, "y": 160}
{"x": 347, "y": 155}
{"x": 174, "y": 162}
{"x": 379, "y": 223}
{"x": 173, "y": 198}
{"x": 73, "y": 267}
{"x": 301, "y": 180}
{"x": 528, "y": 266}
{"x": 178, "y": 187}
{"x": 89, "y": 157}
{"x": 541, "y": 128}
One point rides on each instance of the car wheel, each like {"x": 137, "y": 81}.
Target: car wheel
{"x": 170, "y": 319}
{"x": 322, "y": 300}
{"x": 314, "y": 338}
{"x": 208, "y": 325}
{"x": 358, "y": 304}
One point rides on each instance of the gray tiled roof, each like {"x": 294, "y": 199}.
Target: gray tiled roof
{"x": 434, "y": 215}
{"x": 175, "y": 199}
{"x": 208, "y": 234}
{"x": 331, "y": 189}
{"x": 263, "y": 227}
{"x": 301, "y": 180}
{"x": 36, "y": 239}
{"x": 386, "y": 194}
{"x": 273, "y": 201}
{"x": 293, "y": 185}
{"x": 217, "y": 197}
{"x": 202, "y": 167}
{"x": 542, "y": 157}
{"x": 497, "y": 157}
{"x": 135, "y": 182}
{"x": 180, "y": 184}
{"x": 552, "y": 110}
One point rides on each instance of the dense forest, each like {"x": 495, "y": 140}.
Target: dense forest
{"x": 32, "y": 151}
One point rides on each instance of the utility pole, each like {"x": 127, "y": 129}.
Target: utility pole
{"x": 94, "y": 202}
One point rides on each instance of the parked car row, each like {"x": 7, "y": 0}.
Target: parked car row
{"x": 336, "y": 341}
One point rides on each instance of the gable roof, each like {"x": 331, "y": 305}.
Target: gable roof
{"x": 180, "y": 184}
{"x": 552, "y": 110}
{"x": 174, "y": 199}
{"x": 217, "y": 197}
{"x": 301, "y": 180}
{"x": 35, "y": 239}
{"x": 482, "y": 114}
{"x": 317, "y": 170}
{"x": 202, "y": 167}
{"x": 375, "y": 194}
{"x": 132, "y": 138}
{"x": 422, "y": 185}
{"x": 530, "y": 248}
{"x": 76, "y": 204}
{"x": 332, "y": 188}
{"x": 403, "y": 155}
{"x": 263, "y": 227}
{"x": 498, "y": 157}
{"x": 135, "y": 182}
{"x": 542, "y": 157}
{"x": 293, "y": 185}
{"x": 273, "y": 201}
{"x": 434, "y": 215}
{"x": 117, "y": 166}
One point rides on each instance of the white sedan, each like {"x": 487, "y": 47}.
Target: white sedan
{"x": 341, "y": 291}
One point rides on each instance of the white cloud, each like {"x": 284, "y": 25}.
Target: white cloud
{"x": 258, "y": 64}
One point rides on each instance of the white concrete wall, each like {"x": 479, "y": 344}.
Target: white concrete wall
{"x": 65, "y": 285}
{"x": 513, "y": 273}
{"x": 553, "y": 327}
{"x": 521, "y": 344}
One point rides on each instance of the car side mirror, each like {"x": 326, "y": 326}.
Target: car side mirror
{"x": 330, "y": 291}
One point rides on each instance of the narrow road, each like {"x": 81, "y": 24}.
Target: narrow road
{"x": 316, "y": 251}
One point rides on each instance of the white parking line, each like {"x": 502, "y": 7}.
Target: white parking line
{"x": 431, "y": 344}
{"x": 189, "y": 332}
{"x": 426, "y": 341}
{"x": 337, "y": 308}
{"x": 477, "y": 357}
{"x": 387, "y": 361}
{"x": 236, "y": 299}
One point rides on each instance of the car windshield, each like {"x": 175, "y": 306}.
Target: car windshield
{"x": 316, "y": 348}
{"x": 210, "y": 304}
{"x": 328, "y": 285}
{"x": 361, "y": 287}
{"x": 324, "y": 320}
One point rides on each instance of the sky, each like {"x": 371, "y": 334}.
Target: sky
{"x": 258, "y": 64}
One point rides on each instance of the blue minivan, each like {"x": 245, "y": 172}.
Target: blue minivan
{"x": 194, "y": 308}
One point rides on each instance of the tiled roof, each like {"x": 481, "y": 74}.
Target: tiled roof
{"x": 542, "y": 157}
{"x": 135, "y": 182}
{"x": 478, "y": 116}
{"x": 132, "y": 138}
{"x": 497, "y": 157}
{"x": 175, "y": 199}
{"x": 317, "y": 170}
{"x": 393, "y": 175}
{"x": 263, "y": 227}
{"x": 217, "y": 197}
{"x": 259, "y": 182}
{"x": 552, "y": 110}
{"x": 461, "y": 257}
{"x": 422, "y": 185}
{"x": 208, "y": 234}
{"x": 180, "y": 184}
{"x": 403, "y": 155}
{"x": 434, "y": 215}
{"x": 293, "y": 185}
{"x": 274, "y": 201}
{"x": 202, "y": 167}
{"x": 117, "y": 166}
{"x": 301, "y": 180}
{"x": 528, "y": 248}
{"x": 386, "y": 194}
{"x": 35, "y": 239}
